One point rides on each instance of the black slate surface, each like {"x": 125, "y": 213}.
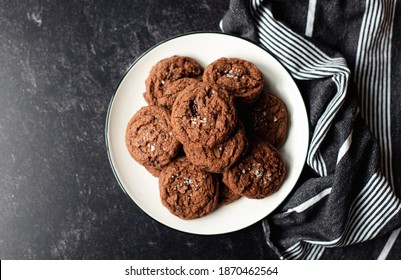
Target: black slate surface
{"x": 60, "y": 62}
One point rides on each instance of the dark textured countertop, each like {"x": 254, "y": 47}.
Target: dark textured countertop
{"x": 59, "y": 66}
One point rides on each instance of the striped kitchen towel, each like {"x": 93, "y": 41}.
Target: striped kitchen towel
{"x": 345, "y": 57}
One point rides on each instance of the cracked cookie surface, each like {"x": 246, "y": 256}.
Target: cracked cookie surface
{"x": 268, "y": 119}
{"x": 259, "y": 173}
{"x": 149, "y": 138}
{"x": 239, "y": 77}
{"x": 166, "y": 71}
{"x": 203, "y": 114}
{"x": 186, "y": 191}
{"x": 221, "y": 157}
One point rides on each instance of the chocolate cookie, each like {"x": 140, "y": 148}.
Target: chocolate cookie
{"x": 239, "y": 77}
{"x": 203, "y": 114}
{"x": 226, "y": 195}
{"x": 259, "y": 174}
{"x": 186, "y": 191}
{"x": 221, "y": 157}
{"x": 268, "y": 119}
{"x": 149, "y": 138}
{"x": 172, "y": 91}
{"x": 153, "y": 170}
{"x": 166, "y": 71}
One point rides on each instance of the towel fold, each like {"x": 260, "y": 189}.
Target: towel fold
{"x": 346, "y": 203}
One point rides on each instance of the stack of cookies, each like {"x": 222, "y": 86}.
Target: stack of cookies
{"x": 210, "y": 135}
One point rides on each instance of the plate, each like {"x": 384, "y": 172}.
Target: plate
{"x": 142, "y": 187}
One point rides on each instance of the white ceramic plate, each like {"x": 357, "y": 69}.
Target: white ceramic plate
{"x": 142, "y": 188}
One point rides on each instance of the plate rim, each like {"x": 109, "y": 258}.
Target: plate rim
{"x": 110, "y": 107}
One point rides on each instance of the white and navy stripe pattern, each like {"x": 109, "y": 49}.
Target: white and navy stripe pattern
{"x": 373, "y": 80}
{"x": 369, "y": 213}
{"x": 373, "y": 74}
{"x": 357, "y": 172}
{"x": 308, "y": 64}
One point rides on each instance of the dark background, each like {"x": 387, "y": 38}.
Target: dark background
{"x": 60, "y": 62}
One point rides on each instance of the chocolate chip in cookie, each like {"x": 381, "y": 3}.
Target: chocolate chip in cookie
{"x": 203, "y": 114}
